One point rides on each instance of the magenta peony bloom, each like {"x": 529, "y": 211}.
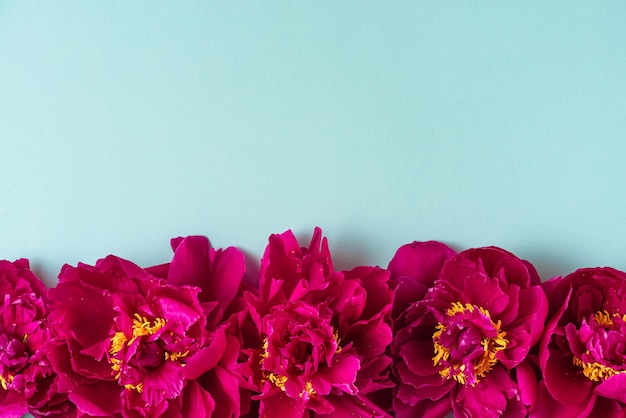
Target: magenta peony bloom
{"x": 461, "y": 343}
{"x": 218, "y": 274}
{"x": 156, "y": 342}
{"x": 582, "y": 353}
{"x": 324, "y": 334}
{"x": 26, "y": 377}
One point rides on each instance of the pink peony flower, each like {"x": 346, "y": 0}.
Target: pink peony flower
{"x": 582, "y": 353}
{"x": 218, "y": 274}
{"x": 27, "y": 382}
{"x": 153, "y": 342}
{"x": 324, "y": 334}
{"x": 461, "y": 343}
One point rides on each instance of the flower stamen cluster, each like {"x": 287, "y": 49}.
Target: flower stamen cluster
{"x": 601, "y": 323}
{"x": 141, "y": 327}
{"x": 595, "y": 371}
{"x": 454, "y": 343}
{"x": 279, "y": 380}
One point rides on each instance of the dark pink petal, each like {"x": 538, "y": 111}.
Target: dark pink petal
{"x": 354, "y": 406}
{"x": 13, "y": 404}
{"x": 474, "y": 284}
{"x": 97, "y": 399}
{"x": 375, "y": 281}
{"x": 197, "y": 402}
{"x": 91, "y": 316}
{"x": 425, "y": 408}
{"x": 533, "y": 311}
{"x": 177, "y": 307}
{"x": 164, "y": 382}
{"x": 613, "y": 388}
{"x": 497, "y": 261}
{"x": 160, "y": 271}
{"x": 555, "y": 312}
{"x": 605, "y": 407}
{"x": 548, "y": 407}
{"x": 206, "y": 358}
{"x": 342, "y": 373}
{"x": 488, "y": 398}
{"x": 549, "y": 285}
{"x": 418, "y": 357}
{"x": 373, "y": 375}
{"x": 281, "y": 405}
{"x": 414, "y": 387}
{"x": 224, "y": 387}
{"x": 527, "y": 382}
{"x": 370, "y": 338}
{"x": 415, "y": 267}
{"x": 217, "y": 273}
{"x": 566, "y": 387}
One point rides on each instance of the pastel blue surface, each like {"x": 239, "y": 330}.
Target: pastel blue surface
{"x": 123, "y": 124}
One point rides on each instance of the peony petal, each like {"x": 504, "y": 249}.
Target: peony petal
{"x": 527, "y": 382}
{"x": 281, "y": 405}
{"x": 197, "y": 402}
{"x": 533, "y": 311}
{"x": 354, "y": 406}
{"x": 548, "y": 407}
{"x": 372, "y": 338}
{"x": 91, "y": 315}
{"x": 613, "y": 388}
{"x": 224, "y": 387}
{"x": 375, "y": 281}
{"x": 164, "y": 382}
{"x": 566, "y": 387}
{"x": 342, "y": 374}
{"x": 13, "y": 405}
{"x": 424, "y": 409}
{"x": 98, "y": 399}
{"x": 418, "y": 357}
{"x": 217, "y": 273}
{"x": 207, "y": 357}
{"x": 417, "y": 265}
{"x": 488, "y": 398}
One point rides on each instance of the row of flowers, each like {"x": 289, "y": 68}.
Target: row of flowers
{"x": 476, "y": 333}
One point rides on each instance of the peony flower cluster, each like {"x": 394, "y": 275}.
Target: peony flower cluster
{"x": 474, "y": 333}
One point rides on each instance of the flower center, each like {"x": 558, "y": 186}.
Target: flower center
{"x": 466, "y": 343}
{"x": 598, "y": 362}
{"x": 141, "y": 327}
{"x": 279, "y": 380}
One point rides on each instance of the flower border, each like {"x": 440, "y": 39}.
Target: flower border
{"x": 475, "y": 332}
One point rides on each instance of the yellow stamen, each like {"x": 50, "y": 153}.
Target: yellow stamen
{"x": 308, "y": 388}
{"x": 264, "y": 354}
{"x": 490, "y": 346}
{"x": 117, "y": 342}
{"x": 175, "y": 356}
{"x": 606, "y": 319}
{"x": 595, "y": 371}
{"x": 143, "y": 328}
{"x": 138, "y": 387}
{"x": 277, "y": 380}
{"x": 5, "y": 382}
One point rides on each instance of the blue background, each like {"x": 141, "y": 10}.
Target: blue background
{"x": 123, "y": 124}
